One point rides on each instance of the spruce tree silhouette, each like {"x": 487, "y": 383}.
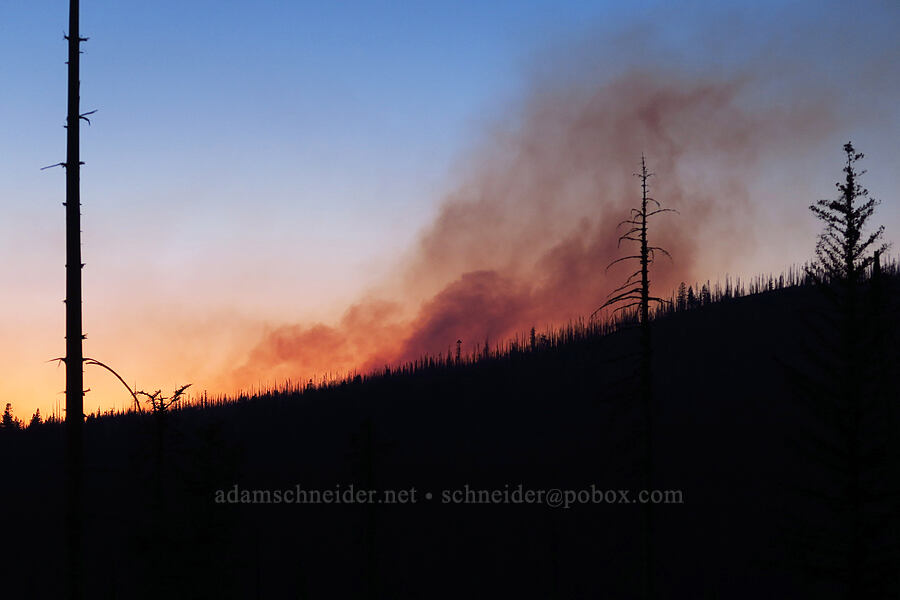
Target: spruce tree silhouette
{"x": 9, "y": 422}
{"x": 681, "y": 298}
{"x": 635, "y": 293}
{"x": 36, "y": 420}
{"x": 846, "y": 378}
{"x": 841, "y": 250}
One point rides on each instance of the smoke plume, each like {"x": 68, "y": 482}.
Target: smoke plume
{"x": 525, "y": 238}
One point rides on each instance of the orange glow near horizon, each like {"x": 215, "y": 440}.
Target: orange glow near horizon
{"x": 519, "y": 237}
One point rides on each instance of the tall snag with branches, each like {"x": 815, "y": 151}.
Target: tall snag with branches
{"x": 635, "y": 293}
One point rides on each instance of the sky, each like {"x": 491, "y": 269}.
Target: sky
{"x": 279, "y": 190}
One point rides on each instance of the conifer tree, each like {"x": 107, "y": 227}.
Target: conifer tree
{"x": 845, "y": 393}
{"x": 681, "y": 298}
{"x": 843, "y": 248}
{"x": 9, "y": 422}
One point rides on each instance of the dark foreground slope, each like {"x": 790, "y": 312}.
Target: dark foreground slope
{"x": 736, "y": 436}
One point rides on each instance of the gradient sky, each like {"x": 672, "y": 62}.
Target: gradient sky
{"x": 255, "y": 164}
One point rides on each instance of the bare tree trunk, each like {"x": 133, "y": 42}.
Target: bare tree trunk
{"x": 74, "y": 356}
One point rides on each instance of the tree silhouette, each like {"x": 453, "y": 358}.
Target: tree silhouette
{"x": 163, "y": 529}
{"x": 74, "y": 334}
{"x": 847, "y": 388}
{"x": 705, "y": 296}
{"x": 160, "y": 406}
{"x": 635, "y": 293}
{"x": 681, "y": 298}
{"x": 35, "y": 419}
{"x": 842, "y": 252}
{"x": 9, "y": 422}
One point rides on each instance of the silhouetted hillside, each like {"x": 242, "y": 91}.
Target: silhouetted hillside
{"x": 732, "y": 427}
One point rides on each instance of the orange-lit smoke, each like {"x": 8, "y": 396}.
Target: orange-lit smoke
{"x": 526, "y": 236}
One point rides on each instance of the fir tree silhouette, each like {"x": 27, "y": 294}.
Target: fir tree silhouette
{"x": 842, "y": 250}
{"x": 9, "y": 422}
{"x": 36, "y": 420}
{"x": 844, "y": 384}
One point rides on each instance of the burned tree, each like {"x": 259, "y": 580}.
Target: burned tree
{"x": 74, "y": 335}
{"x": 634, "y": 294}
{"x": 160, "y": 406}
